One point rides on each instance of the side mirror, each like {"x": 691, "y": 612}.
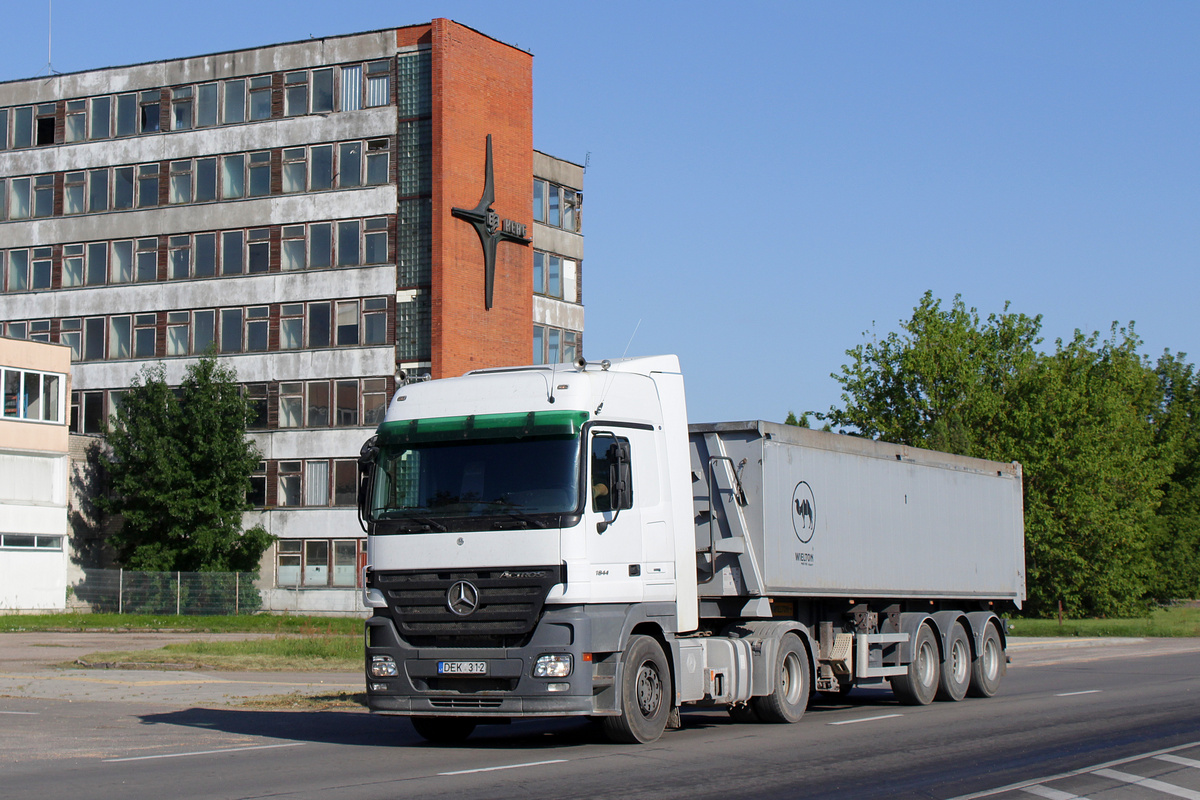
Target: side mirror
{"x": 366, "y": 472}
{"x": 620, "y": 486}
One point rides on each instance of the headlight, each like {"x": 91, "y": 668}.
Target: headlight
{"x": 553, "y": 665}
{"x": 383, "y": 667}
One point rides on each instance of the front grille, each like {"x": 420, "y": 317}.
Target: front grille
{"x": 509, "y": 604}
{"x": 463, "y": 702}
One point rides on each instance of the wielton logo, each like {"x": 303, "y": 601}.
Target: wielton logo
{"x": 490, "y": 227}
{"x": 804, "y": 512}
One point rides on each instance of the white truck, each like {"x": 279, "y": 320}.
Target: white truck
{"x": 551, "y": 541}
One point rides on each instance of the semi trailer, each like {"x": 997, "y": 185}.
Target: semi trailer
{"x": 559, "y": 541}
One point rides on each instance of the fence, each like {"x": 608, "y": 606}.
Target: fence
{"x": 124, "y": 591}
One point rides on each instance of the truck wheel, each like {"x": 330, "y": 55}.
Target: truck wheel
{"x": 988, "y": 666}
{"x": 443, "y": 730}
{"x": 645, "y": 693}
{"x": 920, "y": 684}
{"x": 789, "y": 698}
{"x": 956, "y": 667}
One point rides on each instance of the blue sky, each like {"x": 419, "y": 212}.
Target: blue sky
{"x": 768, "y": 181}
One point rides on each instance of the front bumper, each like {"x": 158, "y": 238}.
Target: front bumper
{"x": 508, "y": 690}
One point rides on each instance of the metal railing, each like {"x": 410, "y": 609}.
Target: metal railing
{"x": 123, "y": 591}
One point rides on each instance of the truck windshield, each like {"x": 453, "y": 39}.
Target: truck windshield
{"x": 510, "y": 468}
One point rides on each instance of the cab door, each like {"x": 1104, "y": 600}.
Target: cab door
{"x": 614, "y": 517}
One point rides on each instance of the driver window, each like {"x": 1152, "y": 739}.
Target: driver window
{"x": 602, "y": 459}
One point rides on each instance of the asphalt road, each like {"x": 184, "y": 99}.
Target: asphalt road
{"x": 1070, "y": 721}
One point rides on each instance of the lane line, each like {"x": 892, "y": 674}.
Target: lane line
{"x": 1186, "y": 762}
{"x": 204, "y": 752}
{"x": 26, "y": 713}
{"x": 1085, "y": 691}
{"x": 1051, "y": 794}
{"x": 505, "y": 766}
{"x": 864, "y": 719}
{"x": 1150, "y": 783}
{"x": 1012, "y": 787}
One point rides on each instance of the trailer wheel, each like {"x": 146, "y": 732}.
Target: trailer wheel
{"x": 956, "y": 667}
{"x": 988, "y": 666}
{"x": 645, "y": 693}
{"x": 789, "y": 698}
{"x": 443, "y": 730}
{"x": 920, "y": 684}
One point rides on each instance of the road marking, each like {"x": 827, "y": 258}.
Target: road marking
{"x": 1073, "y": 694}
{"x": 1019, "y": 785}
{"x": 1187, "y": 762}
{"x": 865, "y": 719}
{"x": 29, "y": 713}
{"x": 505, "y": 766}
{"x": 1051, "y": 794}
{"x": 1149, "y": 783}
{"x": 204, "y": 752}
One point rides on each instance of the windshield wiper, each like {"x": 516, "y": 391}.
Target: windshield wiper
{"x": 526, "y": 519}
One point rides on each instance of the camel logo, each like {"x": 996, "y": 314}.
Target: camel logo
{"x": 804, "y": 512}
{"x": 490, "y": 227}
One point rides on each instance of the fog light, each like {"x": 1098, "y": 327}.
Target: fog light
{"x": 558, "y": 687}
{"x": 379, "y": 687}
{"x": 554, "y": 665}
{"x": 383, "y": 667}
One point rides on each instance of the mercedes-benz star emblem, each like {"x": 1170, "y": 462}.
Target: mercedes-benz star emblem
{"x": 463, "y": 598}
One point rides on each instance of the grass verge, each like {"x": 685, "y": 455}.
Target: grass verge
{"x": 1162, "y": 622}
{"x": 324, "y": 653}
{"x": 337, "y": 701}
{"x": 246, "y": 623}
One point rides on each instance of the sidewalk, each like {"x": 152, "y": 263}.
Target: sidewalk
{"x": 31, "y": 666}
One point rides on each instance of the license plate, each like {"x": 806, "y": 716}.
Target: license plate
{"x": 462, "y": 668}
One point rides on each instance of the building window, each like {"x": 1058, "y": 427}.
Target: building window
{"x": 352, "y": 88}
{"x": 234, "y": 109}
{"x": 547, "y": 274}
{"x": 260, "y": 174}
{"x": 144, "y": 335}
{"x": 316, "y": 563}
{"x": 292, "y": 255}
{"x": 321, "y": 174}
{"x": 179, "y": 257}
{"x": 291, "y": 405}
{"x": 231, "y": 330}
{"x": 74, "y": 192}
{"x": 288, "y": 493}
{"x": 322, "y": 90}
{"x": 23, "y": 126}
{"x": 206, "y": 180}
{"x": 258, "y": 250}
{"x": 43, "y": 196}
{"x": 178, "y": 328}
{"x": 377, "y": 83}
{"x": 44, "y": 131}
{"x": 289, "y": 555}
{"x": 257, "y": 323}
{"x": 377, "y": 162}
{"x": 181, "y": 182}
{"x": 150, "y": 117}
{"x": 70, "y": 333}
{"x": 256, "y": 401}
{"x": 42, "y": 268}
{"x": 122, "y": 188}
{"x": 29, "y": 541}
{"x": 75, "y": 129}
{"x": 204, "y": 255}
{"x": 295, "y": 170}
{"x": 147, "y": 260}
{"x": 98, "y": 190}
{"x": 233, "y": 176}
{"x": 295, "y": 94}
{"x": 557, "y": 206}
{"x": 316, "y": 483}
{"x": 260, "y": 97}
{"x": 374, "y": 400}
{"x": 349, "y": 171}
{"x": 32, "y": 396}
{"x": 147, "y": 186}
{"x": 72, "y": 265}
{"x": 206, "y": 105}
{"x": 554, "y": 346}
{"x": 257, "y": 494}
{"x": 291, "y": 326}
{"x": 101, "y": 118}
{"x": 181, "y": 108}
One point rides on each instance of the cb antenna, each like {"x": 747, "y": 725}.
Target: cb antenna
{"x": 608, "y": 379}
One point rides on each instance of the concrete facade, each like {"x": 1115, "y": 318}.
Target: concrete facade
{"x": 34, "y": 386}
{"x": 291, "y": 207}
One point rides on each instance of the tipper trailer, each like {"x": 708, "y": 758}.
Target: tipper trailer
{"x": 557, "y": 541}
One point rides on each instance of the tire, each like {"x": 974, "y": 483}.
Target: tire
{"x": 645, "y": 693}
{"x": 789, "y": 697}
{"x": 956, "y": 666}
{"x": 443, "y": 730}
{"x": 988, "y": 667}
{"x": 919, "y": 685}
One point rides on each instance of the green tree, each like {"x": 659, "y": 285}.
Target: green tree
{"x": 1175, "y": 531}
{"x": 179, "y": 472}
{"x": 1079, "y": 420}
